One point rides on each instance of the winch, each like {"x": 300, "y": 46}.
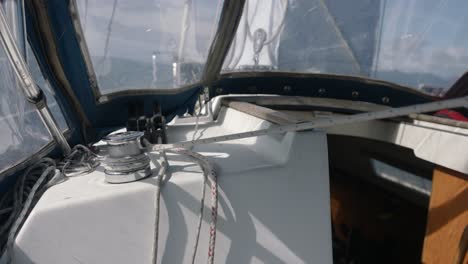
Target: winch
{"x": 126, "y": 160}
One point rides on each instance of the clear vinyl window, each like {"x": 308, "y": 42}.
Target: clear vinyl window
{"x": 22, "y": 131}
{"x": 417, "y": 43}
{"x": 147, "y": 44}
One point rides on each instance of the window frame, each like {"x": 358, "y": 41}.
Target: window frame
{"x": 73, "y": 9}
{"x": 227, "y": 26}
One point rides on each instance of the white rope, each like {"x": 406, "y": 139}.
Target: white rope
{"x": 19, "y": 220}
{"x": 200, "y": 218}
{"x": 210, "y": 174}
{"x": 163, "y": 164}
{"x": 31, "y": 184}
{"x": 197, "y": 118}
{"x": 80, "y": 161}
{"x": 42, "y": 171}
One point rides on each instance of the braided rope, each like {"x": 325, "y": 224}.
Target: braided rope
{"x": 209, "y": 170}
{"x": 25, "y": 209}
{"x": 80, "y": 161}
{"x": 162, "y": 171}
{"x": 208, "y": 173}
{"x": 200, "y": 218}
{"x": 31, "y": 184}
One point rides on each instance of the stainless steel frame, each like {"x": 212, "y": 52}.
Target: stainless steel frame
{"x": 32, "y": 92}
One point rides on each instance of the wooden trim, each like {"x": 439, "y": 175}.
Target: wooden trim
{"x": 447, "y": 219}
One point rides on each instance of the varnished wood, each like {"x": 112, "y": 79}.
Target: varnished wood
{"x": 447, "y": 219}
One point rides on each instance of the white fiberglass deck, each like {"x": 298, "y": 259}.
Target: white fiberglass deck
{"x": 273, "y": 206}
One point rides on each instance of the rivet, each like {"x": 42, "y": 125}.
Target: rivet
{"x": 287, "y": 88}
{"x": 219, "y": 90}
{"x": 385, "y": 100}
{"x": 355, "y": 94}
{"x": 321, "y": 91}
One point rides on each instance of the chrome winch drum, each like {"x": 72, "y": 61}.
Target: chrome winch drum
{"x": 126, "y": 160}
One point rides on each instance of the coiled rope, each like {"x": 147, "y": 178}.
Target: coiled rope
{"x": 50, "y": 172}
{"x": 16, "y": 204}
{"x": 80, "y": 161}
